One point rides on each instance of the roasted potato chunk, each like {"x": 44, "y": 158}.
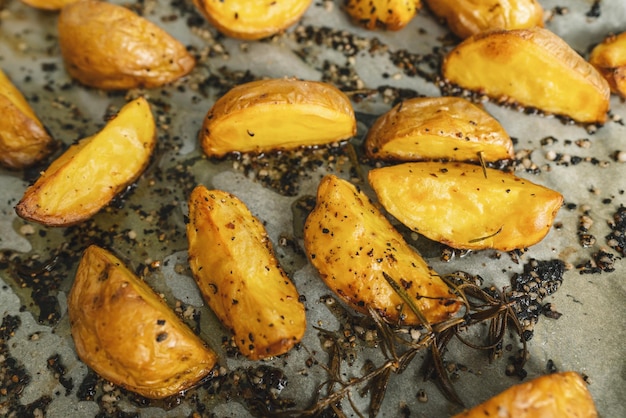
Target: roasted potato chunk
{"x": 428, "y": 128}
{"x": 251, "y": 20}
{"x": 90, "y": 173}
{"x": 109, "y": 47}
{"x": 234, "y": 265}
{"x": 23, "y": 139}
{"x": 462, "y": 206}
{"x": 277, "y": 114}
{"x": 48, "y": 4}
{"x": 469, "y": 17}
{"x": 125, "y": 332}
{"x": 609, "y": 57}
{"x": 385, "y": 14}
{"x": 531, "y": 67}
{"x": 558, "y": 395}
{"x": 352, "y": 245}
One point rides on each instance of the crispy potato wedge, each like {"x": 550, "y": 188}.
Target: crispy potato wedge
{"x": 234, "y": 265}
{"x": 558, "y": 395}
{"x": 125, "y": 332}
{"x": 90, "y": 173}
{"x": 385, "y": 14}
{"x": 23, "y": 139}
{"x": 351, "y": 244}
{"x": 531, "y": 67}
{"x": 48, "y": 4}
{"x": 252, "y": 20}
{"x": 109, "y": 47}
{"x": 469, "y": 17}
{"x": 277, "y": 114}
{"x": 461, "y": 206}
{"x": 609, "y": 57}
{"x": 428, "y": 128}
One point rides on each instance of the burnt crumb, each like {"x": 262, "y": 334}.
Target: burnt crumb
{"x": 55, "y": 364}
{"x": 601, "y": 261}
{"x": 87, "y": 389}
{"x": 594, "y": 11}
{"x": 616, "y": 239}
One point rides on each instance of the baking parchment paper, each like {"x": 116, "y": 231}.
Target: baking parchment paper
{"x": 146, "y": 226}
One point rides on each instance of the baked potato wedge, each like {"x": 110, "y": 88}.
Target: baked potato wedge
{"x": 23, "y": 139}
{"x": 469, "y": 17}
{"x": 125, "y": 332}
{"x": 430, "y": 128}
{"x": 277, "y": 114}
{"x": 609, "y": 57}
{"x": 384, "y": 14}
{"x": 110, "y": 47}
{"x": 352, "y": 245}
{"x": 234, "y": 265}
{"x": 462, "y": 206}
{"x": 48, "y": 4}
{"x": 558, "y": 395}
{"x": 252, "y": 20}
{"x": 90, "y": 173}
{"x": 530, "y": 67}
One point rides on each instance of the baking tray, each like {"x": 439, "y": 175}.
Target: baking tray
{"x": 39, "y": 369}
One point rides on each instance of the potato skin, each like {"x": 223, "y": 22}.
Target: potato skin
{"x": 234, "y": 265}
{"x": 609, "y": 57}
{"x": 386, "y": 14}
{"x": 469, "y": 17}
{"x": 48, "y": 4}
{"x": 558, "y": 395}
{"x": 23, "y": 139}
{"x": 277, "y": 114}
{"x": 449, "y": 128}
{"x": 125, "y": 332}
{"x": 109, "y": 47}
{"x": 252, "y": 19}
{"x": 351, "y": 244}
{"x": 455, "y": 204}
{"x": 90, "y": 173}
{"x": 531, "y": 67}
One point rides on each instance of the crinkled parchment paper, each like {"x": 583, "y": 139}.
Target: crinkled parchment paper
{"x": 146, "y": 226}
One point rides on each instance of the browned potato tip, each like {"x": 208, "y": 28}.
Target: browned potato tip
{"x": 90, "y": 173}
{"x": 277, "y": 114}
{"x": 125, "y": 332}
{"x": 467, "y": 206}
{"x": 530, "y": 67}
{"x": 429, "y": 128}
{"x": 109, "y": 47}
{"x": 469, "y": 17}
{"x": 48, "y": 4}
{"x": 384, "y": 14}
{"x": 609, "y": 57}
{"x": 23, "y": 139}
{"x": 558, "y": 395}
{"x": 252, "y": 20}
{"x": 234, "y": 265}
{"x": 352, "y": 245}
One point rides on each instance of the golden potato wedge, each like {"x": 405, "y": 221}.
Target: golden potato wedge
{"x": 23, "y": 139}
{"x": 469, "y": 17}
{"x": 429, "y": 128}
{"x": 459, "y": 205}
{"x": 90, "y": 173}
{"x": 531, "y": 67}
{"x": 109, "y": 47}
{"x": 385, "y": 14}
{"x": 125, "y": 332}
{"x": 351, "y": 244}
{"x": 252, "y": 20}
{"x": 48, "y": 4}
{"x": 234, "y": 265}
{"x": 277, "y": 114}
{"x": 558, "y": 395}
{"x": 609, "y": 57}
